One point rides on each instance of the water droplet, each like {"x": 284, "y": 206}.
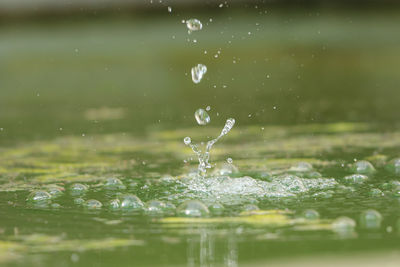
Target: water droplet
{"x": 370, "y": 219}
{"x": 192, "y": 208}
{"x": 208, "y": 108}
{"x": 229, "y": 160}
{"x": 198, "y": 72}
{"x": 93, "y": 204}
{"x": 187, "y": 140}
{"x": 169, "y": 9}
{"x": 131, "y": 202}
{"x": 193, "y": 25}
{"x": 202, "y": 117}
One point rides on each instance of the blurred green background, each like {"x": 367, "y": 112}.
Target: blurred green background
{"x": 81, "y": 67}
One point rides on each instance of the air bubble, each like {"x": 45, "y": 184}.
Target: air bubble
{"x": 394, "y": 166}
{"x": 155, "y": 207}
{"x": 302, "y": 167}
{"x": 79, "y": 201}
{"x": 370, "y": 219}
{"x": 131, "y": 202}
{"x": 93, "y": 204}
{"x": 55, "y": 191}
{"x": 355, "y": 179}
{"x": 114, "y": 184}
{"x": 192, "y": 208}
{"x": 363, "y": 167}
{"x": 39, "y": 197}
{"x": 78, "y": 189}
{"x": 343, "y": 225}
{"x": 311, "y": 214}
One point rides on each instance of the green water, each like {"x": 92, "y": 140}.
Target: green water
{"x": 82, "y": 101}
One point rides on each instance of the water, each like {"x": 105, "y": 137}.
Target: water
{"x": 193, "y": 25}
{"x": 202, "y": 117}
{"x": 285, "y": 198}
{"x": 198, "y": 72}
{"x": 204, "y": 157}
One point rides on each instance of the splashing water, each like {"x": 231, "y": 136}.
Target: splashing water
{"x": 193, "y": 25}
{"x": 204, "y": 157}
{"x": 198, "y": 73}
{"x": 202, "y": 117}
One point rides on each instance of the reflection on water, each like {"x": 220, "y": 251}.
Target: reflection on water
{"x": 201, "y": 249}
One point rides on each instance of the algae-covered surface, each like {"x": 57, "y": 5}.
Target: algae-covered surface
{"x": 94, "y": 170}
{"x": 289, "y": 193}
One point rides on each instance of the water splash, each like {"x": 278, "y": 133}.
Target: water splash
{"x": 204, "y": 157}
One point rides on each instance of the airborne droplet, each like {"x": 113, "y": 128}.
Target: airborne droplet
{"x": 202, "y": 117}
{"x": 194, "y": 25}
{"x": 187, "y": 140}
{"x": 198, "y": 72}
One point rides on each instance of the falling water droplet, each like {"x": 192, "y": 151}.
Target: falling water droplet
{"x": 187, "y": 140}
{"x": 169, "y": 9}
{"x": 194, "y": 25}
{"x": 198, "y": 72}
{"x": 208, "y": 108}
{"x": 202, "y": 116}
{"x": 229, "y": 160}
